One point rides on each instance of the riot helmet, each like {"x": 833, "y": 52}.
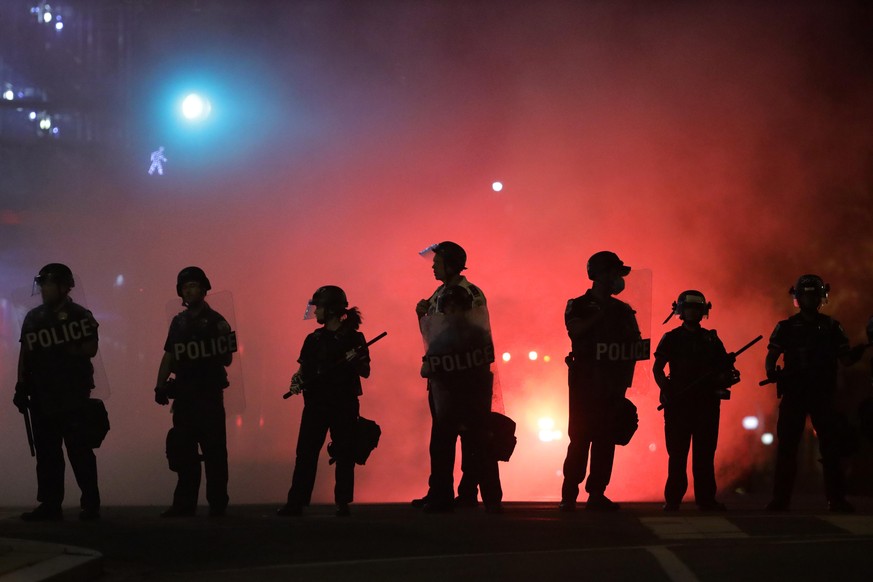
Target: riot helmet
{"x": 192, "y": 275}
{"x": 330, "y": 297}
{"x": 57, "y": 273}
{"x": 604, "y": 262}
{"x": 454, "y": 256}
{"x": 810, "y": 285}
{"x": 688, "y": 298}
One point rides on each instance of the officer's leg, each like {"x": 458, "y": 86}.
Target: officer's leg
{"x": 468, "y": 487}
{"x": 48, "y": 439}
{"x": 313, "y": 430}
{"x": 343, "y": 426}
{"x": 602, "y": 456}
{"x": 824, "y": 420}
{"x": 213, "y": 441}
{"x": 188, "y": 482}
{"x": 444, "y": 438}
{"x": 789, "y": 430}
{"x": 84, "y": 464}
{"x": 677, "y": 434}
{"x": 576, "y": 461}
{"x": 703, "y": 455}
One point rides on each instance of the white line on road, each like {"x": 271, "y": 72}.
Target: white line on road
{"x": 675, "y": 568}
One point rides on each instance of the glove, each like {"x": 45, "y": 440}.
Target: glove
{"x": 775, "y": 374}
{"x": 20, "y": 400}
{"x": 161, "y": 395}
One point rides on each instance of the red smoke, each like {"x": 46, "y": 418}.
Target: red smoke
{"x": 726, "y": 149}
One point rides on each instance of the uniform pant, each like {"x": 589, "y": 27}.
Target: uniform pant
{"x": 467, "y": 418}
{"x": 588, "y": 437}
{"x": 468, "y": 487}
{"x": 685, "y": 423}
{"x": 201, "y": 421}
{"x": 49, "y": 434}
{"x": 319, "y": 418}
{"x": 793, "y": 411}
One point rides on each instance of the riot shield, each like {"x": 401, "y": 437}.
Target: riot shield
{"x": 24, "y": 299}
{"x": 222, "y": 302}
{"x": 458, "y": 363}
{"x": 638, "y": 294}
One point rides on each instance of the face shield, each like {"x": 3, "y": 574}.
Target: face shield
{"x": 310, "y": 311}
{"x": 429, "y": 253}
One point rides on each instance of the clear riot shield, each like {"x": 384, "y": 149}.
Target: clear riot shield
{"x": 24, "y": 299}
{"x": 222, "y": 302}
{"x": 638, "y": 294}
{"x": 458, "y": 363}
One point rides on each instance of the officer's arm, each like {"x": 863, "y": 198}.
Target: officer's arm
{"x": 579, "y": 326}
{"x": 658, "y": 371}
{"x": 165, "y": 369}
{"x": 363, "y": 360}
{"x": 770, "y": 361}
{"x": 22, "y": 365}
{"x": 227, "y": 359}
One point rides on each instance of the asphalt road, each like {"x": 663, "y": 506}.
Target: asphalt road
{"x": 530, "y": 541}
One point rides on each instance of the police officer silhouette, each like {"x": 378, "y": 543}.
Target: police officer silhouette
{"x": 449, "y": 263}
{"x": 812, "y": 345}
{"x": 199, "y": 346}
{"x": 601, "y": 367}
{"x": 55, "y": 379}
{"x": 333, "y": 360}
{"x": 700, "y": 373}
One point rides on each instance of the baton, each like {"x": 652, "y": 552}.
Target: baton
{"x": 29, "y": 429}
{"x": 291, "y": 393}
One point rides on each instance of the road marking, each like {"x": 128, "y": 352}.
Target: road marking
{"x": 690, "y": 528}
{"x": 675, "y": 568}
{"x": 857, "y": 524}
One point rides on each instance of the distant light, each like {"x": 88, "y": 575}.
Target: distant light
{"x": 239, "y": 421}
{"x": 59, "y": 25}
{"x": 750, "y": 422}
{"x": 195, "y": 107}
{"x": 45, "y": 123}
{"x": 547, "y": 358}
{"x": 533, "y": 355}
{"x": 497, "y": 186}
{"x": 261, "y": 422}
{"x": 546, "y": 423}
{"x": 119, "y": 281}
{"x": 547, "y": 432}
{"x": 31, "y": 115}
{"x": 55, "y": 130}
{"x": 506, "y": 356}
{"x": 8, "y": 95}
{"x": 652, "y": 447}
{"x": 767, "y": 438}
{"x": 46, "y": 16}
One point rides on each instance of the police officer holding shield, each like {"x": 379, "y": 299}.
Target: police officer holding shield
{"x": 605, "y": 340}
{"x": 200, "y": 345}
{"x": 812, "y": 346}
{"x": 449, "y": 263}
{"x": 55, "y": 379}
{"x": 458, "y": 366}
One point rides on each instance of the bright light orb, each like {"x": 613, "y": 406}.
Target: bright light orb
{"x": 497, "y": 186}
{"x": 767, "y": 438}
{"x": 195, "y": 107}
{"x": 533, "y": 355}
{"x": 750, "y": 422}
{"x": 59, "y": 25}
{"x": 506, "y": 356}
{"x": 8, "y": 95}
